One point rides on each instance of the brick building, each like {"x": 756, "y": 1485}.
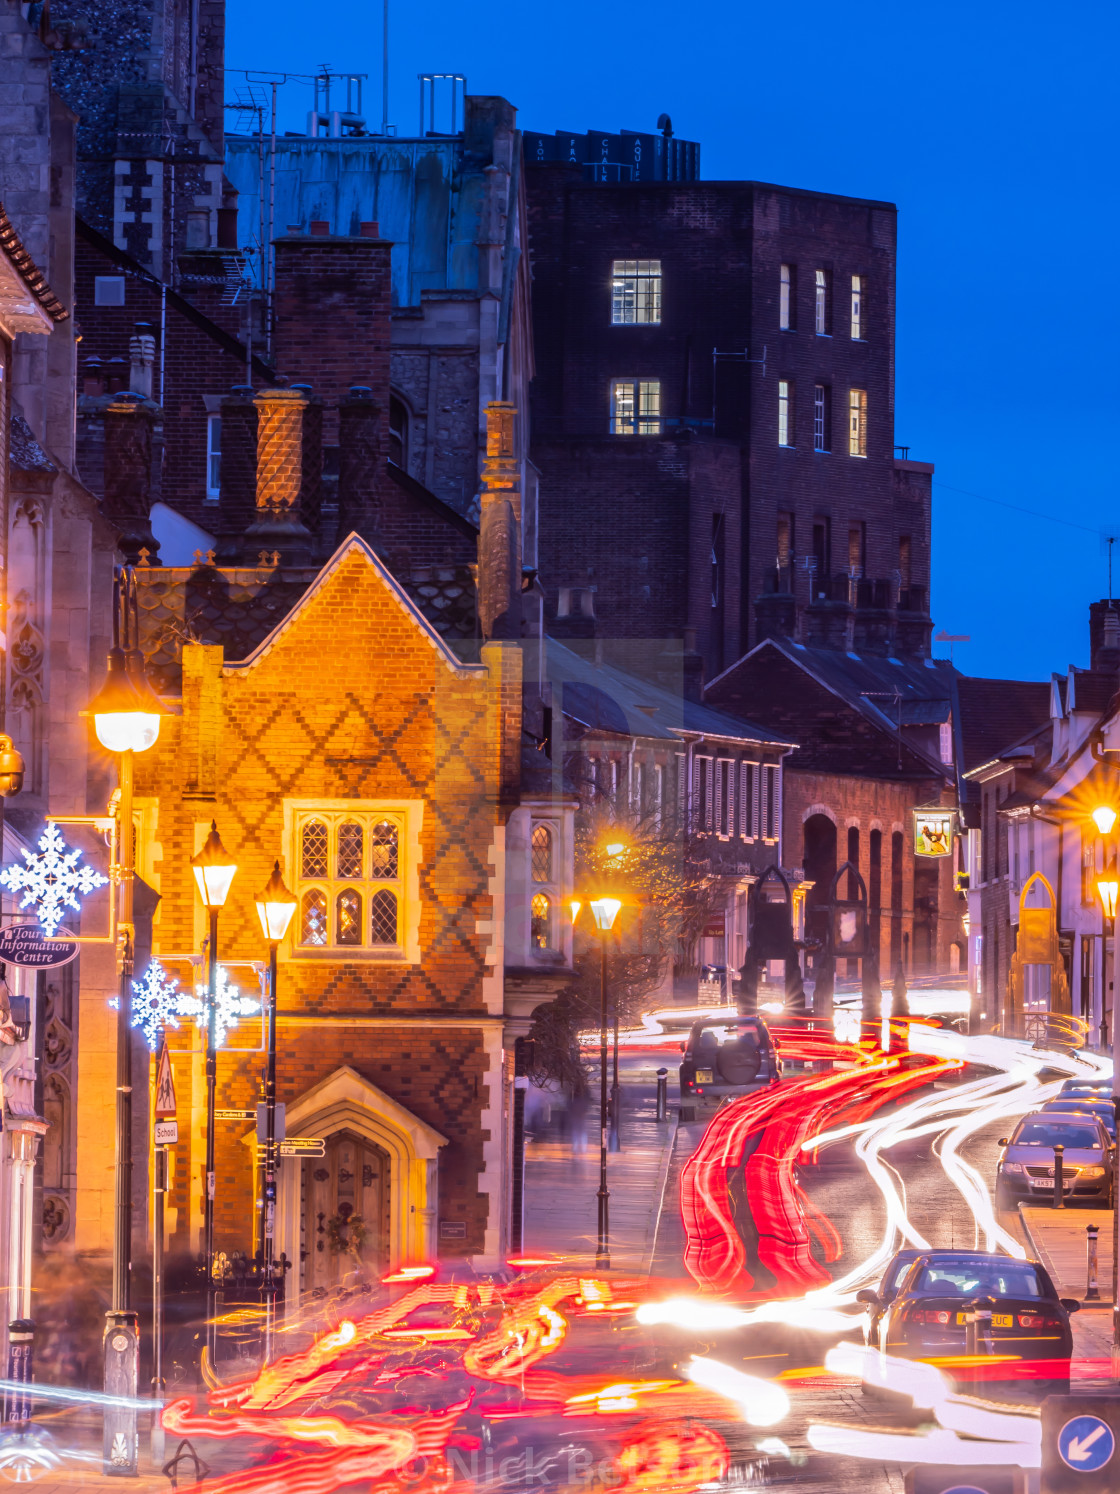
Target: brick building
{"x": 713, "y": 417}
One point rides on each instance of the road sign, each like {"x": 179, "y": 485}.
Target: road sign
{"x": 1079, "y": 1441}
{"x": 303, "y": 1146}
{"x": 235, "y": 1115}
{"x": 166, "y": 1133}
{"x": 165, "y": 1087}
{"x": 281, "y": 1122}
{"x": 934, "y": 1480}
{"x": 1086, "y": 1443}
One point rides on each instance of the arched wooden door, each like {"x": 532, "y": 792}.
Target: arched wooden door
{"x": 345, "y": 1225}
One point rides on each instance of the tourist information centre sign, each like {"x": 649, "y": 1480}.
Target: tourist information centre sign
{"x": 26, "y": 944}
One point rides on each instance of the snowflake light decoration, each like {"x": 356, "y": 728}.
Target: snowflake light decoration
{"x": 157, "y": 1002}
{"x": 230, "y": 1005}
{"x": 52, "y": 880}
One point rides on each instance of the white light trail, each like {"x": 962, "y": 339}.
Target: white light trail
{"x": 763, "y": 1403}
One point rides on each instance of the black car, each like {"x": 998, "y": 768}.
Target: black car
{"x": 959, "y": 1307}
{"x": 900, "y": 1263}
{"x": 725, "y": 1055}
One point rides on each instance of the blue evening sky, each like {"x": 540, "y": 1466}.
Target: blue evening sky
{"x": 989, "y": 123}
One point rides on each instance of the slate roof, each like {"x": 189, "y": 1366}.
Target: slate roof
{"x": 24, "y": 452}
{"x": 603, "y": 697}
{"x": 920, "y": 690}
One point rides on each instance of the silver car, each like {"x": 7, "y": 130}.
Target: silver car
{"x": 1026, "y": 1168}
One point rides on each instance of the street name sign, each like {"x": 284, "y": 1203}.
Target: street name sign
{"x": 299, "y": 1146}
{"x": 1079, "y": 1444}
{"x": 235, "y": 1115}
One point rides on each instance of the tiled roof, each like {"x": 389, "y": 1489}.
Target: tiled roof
{"x": 994, "y": 714}
{"x": 24, "y": 452}
{"x": 29, "y": 272}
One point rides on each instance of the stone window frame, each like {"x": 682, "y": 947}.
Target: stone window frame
{"x": 408, "y": 815}
{"x": 548, "y": 888}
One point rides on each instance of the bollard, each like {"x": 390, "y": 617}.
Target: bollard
{"x": 662, "y": 1094}
{"x": 1059, "y": 1177}
{"x": 980, "y": 1312}
{"x": 1092, "y": 1291}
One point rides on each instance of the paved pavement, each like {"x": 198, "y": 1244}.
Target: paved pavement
{"x": 562, "y": 1183}
{"x": 1057, "y": 1237}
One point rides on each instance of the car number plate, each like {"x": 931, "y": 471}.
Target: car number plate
{"x": 1042, "y": 1182}
{"x": 703, "y": 1076}
{"x": 1002, "y": 1320}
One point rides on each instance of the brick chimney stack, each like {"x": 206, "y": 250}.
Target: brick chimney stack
{"x": 359, "y": 465}
{"x": 499, "y": 534}
{"x": 278, "y": 524}
{"x": 127, "y": 503}
{"x": 239, "y": 472}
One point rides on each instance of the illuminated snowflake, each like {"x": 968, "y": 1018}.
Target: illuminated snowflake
{"x": 52, "y": 880}
{"x": 229, "y": 1007}
{"x": 157, "y": 1002}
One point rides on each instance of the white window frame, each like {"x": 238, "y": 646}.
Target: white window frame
{"x": 946, "y": 741}
{"x": 635, "y": 407}
{"x": 857, "y": 308}
{"x": 820, "y": 303}
{"x": 771, "y": 803}
{"x": 636, "y": 293}
{"x": 409, "y": 816}
{"x": 682, "y": 786}
{"x": 703, "y": 807}
{"x": 657, "y": 801}
{"x": 213, "y": 458}
{"x": 784, "y": 298}
{"x": 748, "y": 800}
{"x": 786, "y": 431}
{"x": 725, "y": 798}
{"x": 857, "y": 423}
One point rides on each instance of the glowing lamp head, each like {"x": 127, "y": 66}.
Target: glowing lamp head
{"x": 1108, "y": 888}
{"x": 214, "y": 869}
{"x": 125, "y": 719}
{"x": 11, "y": 767}
{"x": 1104, "y": 817}
{"x": 574, "y": 905}
{"x": 275, "y": 906}
{"x": 605, "y": 910}
{"x": 615, "y": 848}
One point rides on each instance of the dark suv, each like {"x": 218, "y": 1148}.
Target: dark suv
{"x": 726, "y": 1055}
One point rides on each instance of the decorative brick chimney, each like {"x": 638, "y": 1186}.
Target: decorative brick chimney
{"x": 359, "y": 464}
{"x": 278, "y": 525}
{"x": 311, "y": 488}
{"x": 499, "y": 534}
{"x": 127, "y": 501}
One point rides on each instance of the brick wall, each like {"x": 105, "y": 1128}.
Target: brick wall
{"x": 392, "y": 719}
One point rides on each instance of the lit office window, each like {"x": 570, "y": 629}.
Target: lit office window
{"x": 636, "y": 407}
{"x": 857, "y": 423}
{"x": 857, "y": 308}
{"x": 786, "y": 303}
{"x": 636, "y": 291}
{"x": 820, "y": 304}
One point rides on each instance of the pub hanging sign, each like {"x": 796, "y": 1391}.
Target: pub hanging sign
{"x": 933, "y": 831}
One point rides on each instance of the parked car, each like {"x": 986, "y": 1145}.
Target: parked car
{"x": 1072, "y": 1105}
{"x": 726, "y": 1055}
{"x": 962, "y": 1304}
{"x": 1026, "y": 1168}
{"x": 1098, "y": 1087}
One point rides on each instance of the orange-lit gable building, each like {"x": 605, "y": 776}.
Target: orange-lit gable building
{"x": 354, "y": 746}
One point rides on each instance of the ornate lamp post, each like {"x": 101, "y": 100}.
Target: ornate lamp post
{"x": 126, "y": 717}
{"x": 214, "y": 869}
{"x": 275, "y": 908}
{"x": 1108, "y": 890}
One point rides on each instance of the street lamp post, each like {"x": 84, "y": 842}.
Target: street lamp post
{"x": 126, "y": 717}
{"x": 275, "y": 907}
{"x": 1108, "y": 890}
{"x": 214, "y": 870}
{"x": 604, "y": 910}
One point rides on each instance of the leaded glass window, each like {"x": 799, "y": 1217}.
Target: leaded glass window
{"x": 541, "y": 921}
{"x": 315, "y": 843}
{"x": 313, "y": 918}
{"x": 383, "y": 851}
{"x": 383, "y": 917}
{"x": 542, "y": 853}
{"x": 348, "y": 917}
{"x": 349, "y": 849}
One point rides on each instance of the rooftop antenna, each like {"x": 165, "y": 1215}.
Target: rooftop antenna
{"x": 1109, "y": 537}
{"x": 951, "y": 638}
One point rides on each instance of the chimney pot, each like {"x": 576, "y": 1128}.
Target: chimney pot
{"x": 368, "y": 231}
{"x": 360, "y": 391}
{"x": 320, "y": 228}
{"x": 295, "y": 228}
